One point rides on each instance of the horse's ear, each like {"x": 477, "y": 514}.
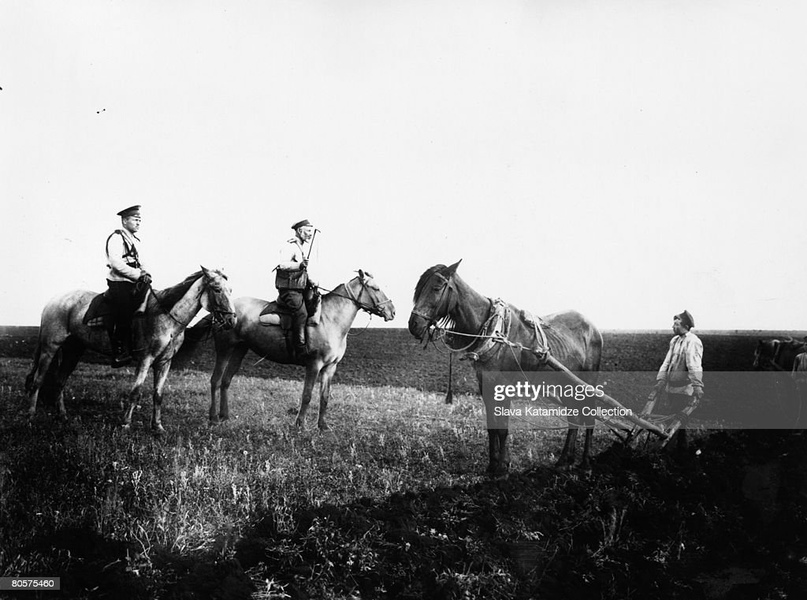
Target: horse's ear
{"x": 361, "y": 274}
{"x": 453, "y": 268}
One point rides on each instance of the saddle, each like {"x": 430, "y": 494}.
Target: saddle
{"x": 275, "y": 314}
{"x": 99, "y": 312}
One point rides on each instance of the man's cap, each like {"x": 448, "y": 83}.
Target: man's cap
{"x": 303, "y": 223}
{"x": 132, "y": 211}
{"x": 686, "y": 319}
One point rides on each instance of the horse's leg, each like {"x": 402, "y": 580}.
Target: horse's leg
{"x": 71, "y": 353}
{"x": 233, "y": 365}
{"x": 498, "y": 424}
{"x": 585, "y": 462}
{"x": 161, "y": 368}
{"x": 325, "y": 394}
{"x": 134, "y": 393}
{"x": 493, "y": 451}
{"x": 311, "y": 372}
{"x": 567, "y": 454}
{"x": 504, "y": 453}
{"x": 223, "y": 353}
{"x": 43, "y": 358}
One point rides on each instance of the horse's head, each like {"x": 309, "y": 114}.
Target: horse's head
{"x": 433, "y": 298}
{"x": 364, "y": 291}
{"x": 765, "y": 354}
{"x": 217, "y": 298}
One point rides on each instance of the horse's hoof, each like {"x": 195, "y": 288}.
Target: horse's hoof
{"x": 495, "y": 471}
{"x": 158, "y": 431}
{"x": 324, "y": 428}
{"x": 564, "y": 462}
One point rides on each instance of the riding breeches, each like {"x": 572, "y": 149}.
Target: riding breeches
{"x": 301, "y": 304}
{"x": 125, "y": 303}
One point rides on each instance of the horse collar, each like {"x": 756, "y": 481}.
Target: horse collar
{"x": 494, "y": 331}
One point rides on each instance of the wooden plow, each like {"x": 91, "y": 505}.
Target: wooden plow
{"x": 639, "y": 423}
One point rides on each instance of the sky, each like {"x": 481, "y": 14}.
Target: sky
{"x": 628, "y": 159}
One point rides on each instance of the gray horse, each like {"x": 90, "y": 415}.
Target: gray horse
{"x": 327, "y": 342}
{"x": 158, "y": 334}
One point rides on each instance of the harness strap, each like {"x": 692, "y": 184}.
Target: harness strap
{"x": 493, "y": 333}
{"x": 542, "y": 351}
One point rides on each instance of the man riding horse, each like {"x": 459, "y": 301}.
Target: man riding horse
{"x": 297, "y": 291}
{"x": 126, "y": 279}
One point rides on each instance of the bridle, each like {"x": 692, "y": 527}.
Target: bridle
{"x": 374, "y": 309}
{"x": 443, "y": 310}
{"x": 219, "y": 315}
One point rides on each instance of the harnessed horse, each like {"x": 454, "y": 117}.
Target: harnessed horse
{"x": 780, "y": 356}
{"x": 777, "y": 355}
{"x": 327, "y": 342}
{"x": 158, "y": 334}
{"x": 441, "y": 296}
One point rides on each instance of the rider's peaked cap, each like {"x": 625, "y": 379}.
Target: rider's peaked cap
{"x": 303, "y": 223}
{"x": 686, "y": 319}
{"x": 132, "y": 211}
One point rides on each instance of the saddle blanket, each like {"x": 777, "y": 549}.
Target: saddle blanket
{"x": 98, "y": 312}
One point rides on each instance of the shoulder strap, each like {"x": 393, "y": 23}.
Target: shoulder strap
{"x": 129, "y": 248}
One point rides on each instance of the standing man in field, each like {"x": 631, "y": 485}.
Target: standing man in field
{"x": 800, "y": 379}
{"x": 297, "y": 290}
{"x": 681, "y": 373}
{"x": 125, "y": 271}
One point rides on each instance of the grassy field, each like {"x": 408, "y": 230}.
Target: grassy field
{"x": 390, "y": 504}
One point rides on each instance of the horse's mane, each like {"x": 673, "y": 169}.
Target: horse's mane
{"x": 171, "y": 295}
{"x": 424, "y": 278}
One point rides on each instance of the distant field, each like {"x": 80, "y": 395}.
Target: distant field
{"x": 392, "y": 357}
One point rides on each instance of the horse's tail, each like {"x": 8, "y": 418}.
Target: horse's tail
{"x": 29, "y": 380}
{"x": 49, "y": 379}
{"x": 200, "y": 332}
